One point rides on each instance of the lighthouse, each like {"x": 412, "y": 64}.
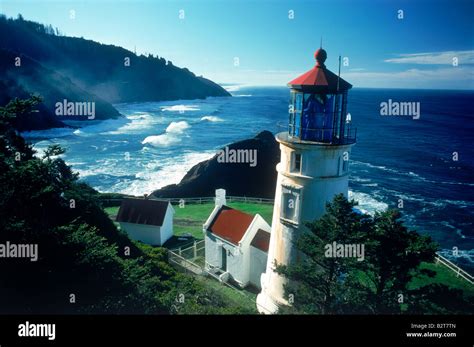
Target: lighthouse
{"x": 314, "y": 167}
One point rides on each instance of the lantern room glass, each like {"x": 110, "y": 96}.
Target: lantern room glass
{"x": 317, "y": 117}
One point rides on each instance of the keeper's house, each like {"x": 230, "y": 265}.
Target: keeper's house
{"x": 236, "y": 245}
{"x": 147, "y": 220}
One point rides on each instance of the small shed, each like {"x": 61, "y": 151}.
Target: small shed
{"x": 147, "y": 220}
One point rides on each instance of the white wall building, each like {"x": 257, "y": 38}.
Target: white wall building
{"x": 236, "y": 244}
{"x": 315, "y": 151}
{"x": 147, "y": 220}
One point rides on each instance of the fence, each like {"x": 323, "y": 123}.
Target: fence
{"x": 211, "y": 199}
{"x": 453, "y": 267}
{"x": 181, "y": 263}
{"x": 198, "y": 200}
{"x": 195, "y": 253}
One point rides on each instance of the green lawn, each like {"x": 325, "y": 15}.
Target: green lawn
{"x": 190, "y": 218}
{"x": 444, "y": 276}
{"x": 112, "y": 211}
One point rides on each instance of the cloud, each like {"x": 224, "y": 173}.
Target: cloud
{"x": 425, "y": 77}
{"x": 460, "y": 77}
{"x": 434, "y": 58}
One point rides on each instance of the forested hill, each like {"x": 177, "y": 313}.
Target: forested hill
{"x": 101, "y": 68}
{"x": 53, "y": 87}
{"x": 88, "y": 71}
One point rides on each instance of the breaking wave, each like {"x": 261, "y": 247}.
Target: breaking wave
{"x": 173, "y": 134}
{"x": 180, "y": 108}
{"x": 212, "y": 119}
{"x": 367, "y": 204}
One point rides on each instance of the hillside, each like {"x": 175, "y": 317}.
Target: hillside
{"x": 32, "y": 77}
{"x": 101, "y": 68}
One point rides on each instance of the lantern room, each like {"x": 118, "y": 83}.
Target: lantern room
{"x": 318, "y": 106}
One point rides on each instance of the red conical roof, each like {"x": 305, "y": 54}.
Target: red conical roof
{"x": 319, "y": 79}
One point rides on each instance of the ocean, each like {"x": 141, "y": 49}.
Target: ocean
{"x": 428, "y": 162}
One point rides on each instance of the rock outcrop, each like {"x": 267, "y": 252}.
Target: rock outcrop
{"x": 239, "y": 179}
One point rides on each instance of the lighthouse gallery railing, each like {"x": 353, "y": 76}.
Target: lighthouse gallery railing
{"x": 318, "y": 135}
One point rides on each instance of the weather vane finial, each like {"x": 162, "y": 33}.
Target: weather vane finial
{"x": 321, "y": 43}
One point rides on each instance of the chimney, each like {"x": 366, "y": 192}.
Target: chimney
{"x": 220, "y": 197}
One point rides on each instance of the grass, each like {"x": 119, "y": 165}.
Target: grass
{"x": 443, "y": 276}
{"x": 112, "y": 212}
{"x": 190, "y": 218}
{"x": 238, "y": 297}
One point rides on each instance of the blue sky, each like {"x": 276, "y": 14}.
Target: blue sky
{"x": 272, "y": 48}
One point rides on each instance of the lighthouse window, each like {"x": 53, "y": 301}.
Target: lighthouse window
{"x": 299, "y": 102}
{"x": 295, "y": 162}
{"x": 290, "y": 204}
{"x": 345, "y": 165}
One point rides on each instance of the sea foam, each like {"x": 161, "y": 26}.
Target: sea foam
{"x": 173, "y": 134}
{"x": 212, "y": 119}
{"x": 180, "y": 108}
{"x": 162, "y": 172}
{"x": 367, "y": 204}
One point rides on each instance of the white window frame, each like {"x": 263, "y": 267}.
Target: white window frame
{"x": 297, "y": 193}
{"x": 345, "y": 165}
{"x": 293, "y": 168}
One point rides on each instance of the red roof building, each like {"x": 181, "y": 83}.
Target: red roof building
{"x": 231, "y": 224}
{"x": 236, "y": 245}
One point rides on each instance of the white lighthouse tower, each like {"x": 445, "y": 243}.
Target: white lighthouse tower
{"x": 315, "y": 149}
